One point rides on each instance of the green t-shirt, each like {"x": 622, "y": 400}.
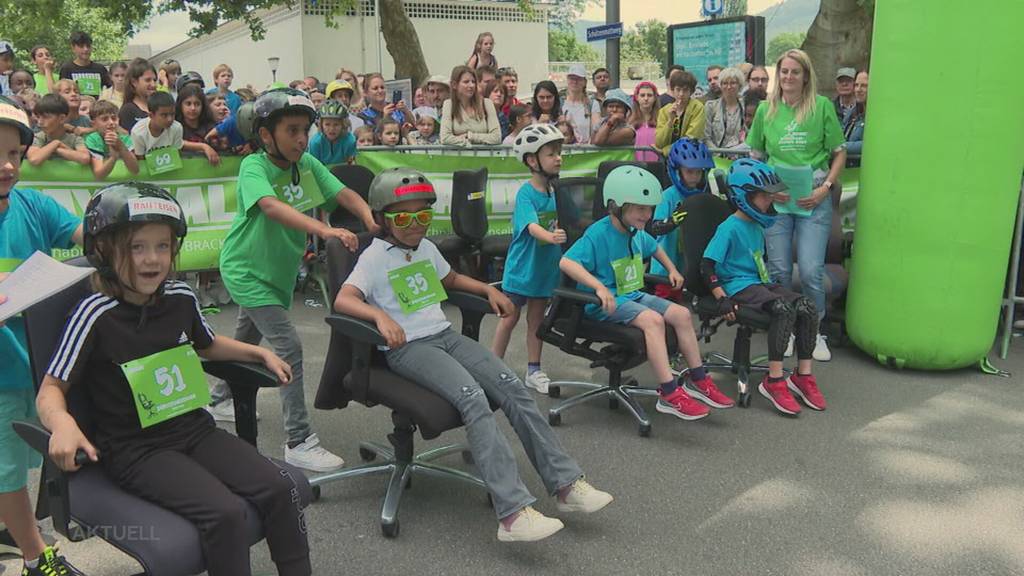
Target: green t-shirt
{"x": 98, "y": 146}
{"x": 786, "y": 141}
{"x": 260, "y": 258}
{"x": 41, "y": 88}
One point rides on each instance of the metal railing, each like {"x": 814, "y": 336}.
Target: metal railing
{"x": 1011, "y": 298}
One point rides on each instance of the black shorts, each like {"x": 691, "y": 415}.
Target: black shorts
{"x": 757, "y": 295}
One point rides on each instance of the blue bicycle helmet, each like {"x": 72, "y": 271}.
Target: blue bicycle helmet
{"x": 687, "y": 153}
{"x": 747, "y": 176}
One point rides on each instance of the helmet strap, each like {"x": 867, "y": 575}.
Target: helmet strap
{"x": 276, "y": 154}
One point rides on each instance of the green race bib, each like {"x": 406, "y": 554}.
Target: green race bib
{"x": 762, "y": 270}
{"x": 417, "y": 286}
{"x": 303, "y": 196}
{"x": 163, "y": 160}
{"x": 89, "y": 85}
{"x": 548, "y": 220}
{"x": 167, "y": 384}
{"x": 629, "y": 274}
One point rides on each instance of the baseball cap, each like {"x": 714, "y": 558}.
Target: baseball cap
{"x": 437, "y": 79}
{"x": 846, "y": 72}
{"x": 578, "y": 70}
{"x": 336, "y": 85}
{"x": 6, "y": 47}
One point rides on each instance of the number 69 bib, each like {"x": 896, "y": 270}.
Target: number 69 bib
{"x": 417, "y": 286}
{"x": 167, "y": 384}
{"x": 162, "y": 160}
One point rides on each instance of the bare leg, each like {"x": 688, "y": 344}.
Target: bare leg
{"x": 534, "y": 318}
{"x": 16, "y": 513}
{"x": 503, "y": 333}
{"x": 680, "y": 319}
{"x": 653, "y": 326}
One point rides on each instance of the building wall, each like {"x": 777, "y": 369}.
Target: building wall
{"x": 447, "y": 30}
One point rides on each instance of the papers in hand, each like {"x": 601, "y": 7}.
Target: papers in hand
{"x": 35, "y": 280}
{"x": 800, "y": 180}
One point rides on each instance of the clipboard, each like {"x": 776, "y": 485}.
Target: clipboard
{"x": 800, "y": 180}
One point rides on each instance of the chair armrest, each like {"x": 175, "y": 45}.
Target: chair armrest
{"x": 577, "y": 296}
{"x": 467, "y": 301}
{"x": 655, "y": 279}
{"x": 54, "y": 496}
{"x": 241, "y": 373}
{"x": 356, "y": 329}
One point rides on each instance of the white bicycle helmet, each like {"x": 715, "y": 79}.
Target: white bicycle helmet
{"x": 533, "y": 137}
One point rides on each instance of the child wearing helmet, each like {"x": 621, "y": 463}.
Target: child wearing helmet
{"x": 608, "y": 261}
{"x": 398, "y": 284}
{"x": 531, "y": 266}
{"x": 29, "y": 221}
{"x": 265, "y": 246}
{"x": 134, "y": 349}
{"x": 733, "y": 266}
{"x": 615, "y": 129}
{"x": 334, "y": 143}
{"x": 688, "y": 163}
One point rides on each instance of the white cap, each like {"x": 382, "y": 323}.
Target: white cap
{"x": 428, "y": 111}
{"x": 578, "y": 70}
{"x": 437, "y": 79}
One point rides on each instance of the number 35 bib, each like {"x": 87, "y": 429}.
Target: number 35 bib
{"x": 303, "y": 196}
{"x": 417, "y": 286}
{"x": 167, "y": 384}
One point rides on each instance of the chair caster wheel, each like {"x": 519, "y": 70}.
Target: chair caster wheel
{"x": 645, "y": 430}
{"x": 316, "y": 493}
{"x": 367, "y": 455}
{"x": 554, "y": 391}
{"x": 744, "y": 400}
{"x": 613, "y": 403}
{"x": 554, "y": 418}
{"x": 467, "y": 457}
{"x": 390, "y": 530}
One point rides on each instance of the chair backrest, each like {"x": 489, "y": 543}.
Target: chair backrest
{"x": 358, "y": 178}
{"x": 469, "y": 204}
{"x": 44, "y": 326}
{"x": 599, "y": 208}
{"x": 573, "y": 200}
{"x": 340, "y": 262}
{"x": 704, "y": 212}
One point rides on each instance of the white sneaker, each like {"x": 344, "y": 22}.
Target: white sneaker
{"x": 310, "y": 455}
{"x": 539, "y": 381}
{"x": 789, "y": 347}
{"x": 1018, "y": 324}
{"x": 821, "y": 352}
{"x": 225, "y": 411}
{"x": 583, "y": 498}
{"x": 529, "y": 526}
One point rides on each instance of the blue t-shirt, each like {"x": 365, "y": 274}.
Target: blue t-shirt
{"x": 328, "y": 152}
{"x": 531, "y": 267}
{"x": 603, "y": 244}
{"x": 737, "y": 248}
{"x": 32, "y": 222}
{"x": 233, "y": 100}
{"x": 670, "y": 198}
{"x": 228, "y": 128}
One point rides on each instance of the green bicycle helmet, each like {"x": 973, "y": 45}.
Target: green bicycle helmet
{"x": 398, "y": 185}
{"x": 631, "y": 185}
{"x": 333, "y": 109}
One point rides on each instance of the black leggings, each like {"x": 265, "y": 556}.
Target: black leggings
{"x": 211, "y": 481}
{"x": 799, "y": 317}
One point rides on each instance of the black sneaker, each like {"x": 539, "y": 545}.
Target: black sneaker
{"x": 51, "y": 564}
{"x": 7, "y": 545}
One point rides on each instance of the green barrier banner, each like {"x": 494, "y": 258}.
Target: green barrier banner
{"x": 207, "y": 193}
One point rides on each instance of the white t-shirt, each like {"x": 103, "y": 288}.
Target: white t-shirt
{"x": 370, "y": 276}
{"x": 143, "y": 140}
{"x": 584, "y": 118}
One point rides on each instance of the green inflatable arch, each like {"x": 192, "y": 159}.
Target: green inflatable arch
{"x": 941, "y": 176}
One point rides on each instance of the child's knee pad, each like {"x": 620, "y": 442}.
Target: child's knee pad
{"x": 781, "y": 326}
{"x": 806, "y": 326}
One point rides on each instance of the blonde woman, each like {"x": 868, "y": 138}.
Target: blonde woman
{"x": 467, "y": 117}
{"x": 797, "y": 128}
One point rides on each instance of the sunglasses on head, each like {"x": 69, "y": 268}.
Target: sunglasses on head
{"x": 405, "y": 219}
{"x": 506, "y": 71}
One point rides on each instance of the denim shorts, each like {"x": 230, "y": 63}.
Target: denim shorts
{"x": 627, "y": 310}
{"x": 519, "y": 300}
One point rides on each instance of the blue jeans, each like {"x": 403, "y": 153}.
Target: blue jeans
{"x": 812, "y": 233}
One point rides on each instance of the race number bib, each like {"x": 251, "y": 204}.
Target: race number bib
{"x": 629, "y": 274}
{"x": 547, "y": 220}
{"x": 303, "y": 196}
{"x": 762, "y": 270}
{"x": 89, "y": 85}
{"x": 167, "y": 384}
{"x": 417, "y": 286}
{"x": 163, "y": 160}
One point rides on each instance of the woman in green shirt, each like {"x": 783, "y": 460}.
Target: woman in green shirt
{"x": 797, "y": 130}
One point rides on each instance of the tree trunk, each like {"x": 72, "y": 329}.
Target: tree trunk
{"x": 839, "y": 36}
{"x": 402, "y": 42}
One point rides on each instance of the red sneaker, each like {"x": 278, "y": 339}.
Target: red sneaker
{"x": 806, "y": 388}
{"x": 778, "y": 394}
{"x": 680, "y": 405}
{"x": 706, "y": 391}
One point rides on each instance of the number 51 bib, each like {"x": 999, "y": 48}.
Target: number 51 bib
{"x": 167, "y": 384}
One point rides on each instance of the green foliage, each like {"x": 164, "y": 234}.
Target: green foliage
{"x": 734, "y": 8}
{"x": 647, "y": 42}
{"x": 51, "y": 22}
{"x": 782, "y": 42}
{"x": 564, "y": 47}
{"x": 565, "y": 12}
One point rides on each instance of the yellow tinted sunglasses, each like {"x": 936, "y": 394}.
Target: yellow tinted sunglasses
{"x": 405, "y": 219}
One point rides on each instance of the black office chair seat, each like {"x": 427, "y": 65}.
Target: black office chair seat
{"x": 164, "y": 542}
{"x": 628, "y": 337}
{"x": 431, "y": 414}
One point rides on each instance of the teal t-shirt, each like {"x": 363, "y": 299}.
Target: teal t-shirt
{"x": 786, "y": 141}
{"x": 31, "y": 222}
{"x": 603, "y": 244}
{"x": 736, "y": 248}
{"x": 260, "y": 258}
{"x": 337, "y": 152}
{"x": 670, "y": 198}
{"x": 531, "y": 267}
